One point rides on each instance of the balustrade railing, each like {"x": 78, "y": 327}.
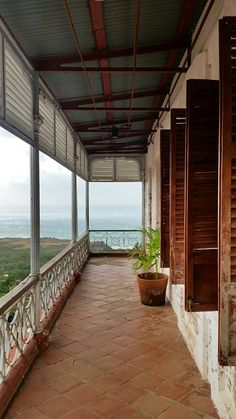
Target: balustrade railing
{"x": 17, "y": 323}
{"x": 113, "y": 240}
{"x": 56, "y": 274}
{"x": 18, "y": 308}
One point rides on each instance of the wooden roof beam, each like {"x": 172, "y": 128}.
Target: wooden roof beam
{"x": 117, "y": 70}
{"x": 44, "y": 63}
{"x": 74, "y": 103}
{"x": 96, "y": 14}
{"x": 92, "y": 124}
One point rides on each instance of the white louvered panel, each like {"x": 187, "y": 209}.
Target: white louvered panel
{"x": 1, "y": 78}
{"x": 18, "y": 93}
{"x": 70, "y": 150}
{"x": 78, "y": 151}
{"x": 102, "y": 169}
{"x": 127, "y": 169}
{"x": 82, "y": 161}
{"x": 86, "y": 166}
{"x": 46, "y": 131}
{"x": 60, "y": 138}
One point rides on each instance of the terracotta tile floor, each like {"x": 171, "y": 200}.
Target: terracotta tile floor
{"x": 111, "y": 357}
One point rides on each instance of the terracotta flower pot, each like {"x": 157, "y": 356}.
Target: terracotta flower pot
{"x": 152, "y": 288}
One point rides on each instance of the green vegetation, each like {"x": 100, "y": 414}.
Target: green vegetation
{"x": 147, "y": 256}
{"x": 15, "y": 259}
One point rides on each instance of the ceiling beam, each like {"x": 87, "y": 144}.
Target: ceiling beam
{"x": 45, "y": 63}
{"x": 123, "y": 147}
{"x": 123, "y": 144}
{"x": 74, "y": 103}
{"x": 88, "y": 141}
{"x": 92, "y": 124}
{"x": 120, "y": 130}
{"x": 118, "y": 70}
{"x": 103, "y": 108}
{"x": 96, "y": 14}
{"x": 121, "y": 152}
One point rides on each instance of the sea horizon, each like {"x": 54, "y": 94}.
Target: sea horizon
{"x": 55, "y": 222}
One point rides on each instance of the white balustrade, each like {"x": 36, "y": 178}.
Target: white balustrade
{"x": 17, "y": 323}
{"x": 57, "y": 274}
{"x": 18, "y": 307}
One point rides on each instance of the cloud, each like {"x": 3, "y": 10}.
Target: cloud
{"x": 14, "y": 160}
{"x": 55, "y": 181}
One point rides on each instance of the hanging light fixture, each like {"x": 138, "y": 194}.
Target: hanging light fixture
{"x": 114, "y": 132}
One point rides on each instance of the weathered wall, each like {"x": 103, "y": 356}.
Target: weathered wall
{"x": 200, "y": 330}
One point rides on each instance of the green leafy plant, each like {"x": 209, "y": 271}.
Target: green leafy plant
{"x": 147, "y": 256}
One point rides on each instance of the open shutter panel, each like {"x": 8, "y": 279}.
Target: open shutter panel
{"x": 201, "y": 195}
{"x": 177, "y": 179}
{"x": 165, "y": 199}
{"x": 227, "y": 222}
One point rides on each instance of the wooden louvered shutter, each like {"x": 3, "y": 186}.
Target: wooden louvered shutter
{"x": 177, "y": 180}
{"x": 201, "y": 195}
{"x": 165, "y": 191}
{"x": 227, "y": 222}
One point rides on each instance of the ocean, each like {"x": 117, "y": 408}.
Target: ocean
{"x": 56, "y": 222}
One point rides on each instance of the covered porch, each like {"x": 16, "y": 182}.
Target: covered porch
{"x": 110, "y": 356}
{"x": 171, "y": 68}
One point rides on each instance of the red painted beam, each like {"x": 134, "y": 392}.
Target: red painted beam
{"x": 115, "y": 144}
{"x": 117, "y": 121}
{"x": 102, "y": 108}
{"x": 117, "y": 147}
{"x": 74, "y": 103}
{"x": 118, "y": 152}
{"x": 119, "y": 70}
{"x": 87, "y": 141}
{"x": 121, "y": 130}
{"x": 96, "y": 14}
{"x": 44, "y": 64}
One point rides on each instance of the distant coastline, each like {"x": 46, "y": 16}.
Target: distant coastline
{"x": 15, "y": 258}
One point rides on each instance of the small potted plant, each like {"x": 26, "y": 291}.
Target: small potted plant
{"x": 152, "y": 284}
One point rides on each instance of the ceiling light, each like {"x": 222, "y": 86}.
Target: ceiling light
{"x": 114, "y": 132}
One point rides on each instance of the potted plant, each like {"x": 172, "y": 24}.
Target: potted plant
{"x": 152, "y": 284}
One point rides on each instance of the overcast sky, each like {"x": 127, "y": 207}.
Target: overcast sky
{"x": 55, "y": 181}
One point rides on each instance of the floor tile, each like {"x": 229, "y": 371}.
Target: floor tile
{"x": 57, "y": 406}
{"x": 106, "y": 405}
{"x": 152, "y": 404}
{"x": 111, "y": 356}
{"x": 82, "y": 394}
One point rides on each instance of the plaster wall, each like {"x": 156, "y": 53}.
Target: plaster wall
{"x": 200, "y": 330}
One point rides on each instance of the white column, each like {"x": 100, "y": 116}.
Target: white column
{"x": 74, "y": 208}
{"x": 35, "y": 206}
{"x": 87, "y": 206}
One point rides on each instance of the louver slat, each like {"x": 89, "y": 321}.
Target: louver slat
{"x": 102, "y": 169}
{"x": 46, "y": 131}
{"x": 227, "y": 199}
{"x": 115, "y": 169}
{"x": 18, "y": 93}
{"x": 201, "y": 247}
{"x": 127, "y": 170}
{"x": 177, "y": 179}
{"x": 165, "y": 197}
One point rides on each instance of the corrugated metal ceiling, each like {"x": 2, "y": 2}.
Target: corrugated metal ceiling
{"x": 43, "y": 30}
